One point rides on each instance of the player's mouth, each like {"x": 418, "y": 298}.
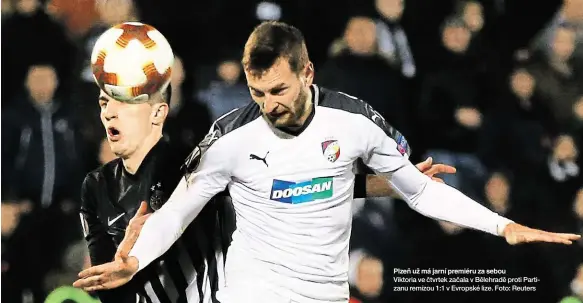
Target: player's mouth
{"x": 113, "y": 134}
{"x": 273, "y": 117}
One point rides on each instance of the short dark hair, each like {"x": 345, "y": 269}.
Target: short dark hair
{"x": 162, "y": 96}
{"x": 270, "y": 41}
{"x": 167, "y": 94}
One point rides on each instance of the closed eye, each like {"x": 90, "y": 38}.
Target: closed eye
{"x": 257, "y": 93}
{"x": 278, "y": 91}
{"x": 102, "y": 103}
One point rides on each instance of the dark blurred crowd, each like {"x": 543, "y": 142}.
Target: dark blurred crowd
{"x": 492, "y": 87}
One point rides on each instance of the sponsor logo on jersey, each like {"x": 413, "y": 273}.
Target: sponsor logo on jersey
{"x": 331, "y": 150}
{"x": 301, "y": 192}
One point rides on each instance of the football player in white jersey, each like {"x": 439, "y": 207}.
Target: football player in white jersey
{"x": 287, "y": 161}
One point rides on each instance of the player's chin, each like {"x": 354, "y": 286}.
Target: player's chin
{"x": 117, "y": 148}
{"x": 284, "y": 120}
{"x": 280, "y": 124}
{"x": 115, "y": 144}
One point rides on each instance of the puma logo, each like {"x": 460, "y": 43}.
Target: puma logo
{"x": 255, "y": 157}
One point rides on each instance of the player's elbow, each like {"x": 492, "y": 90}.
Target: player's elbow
{"x": 415, "y": 198}
{"x": 411, "y": 185}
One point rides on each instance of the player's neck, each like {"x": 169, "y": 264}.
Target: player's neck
{"x": 133, "y": 162}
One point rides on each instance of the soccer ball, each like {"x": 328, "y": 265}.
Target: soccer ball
{"x": 131, "y": 62}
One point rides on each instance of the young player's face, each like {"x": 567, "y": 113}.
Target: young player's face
{"x": 126, "y": 125}
{"x": 281, "y": 93}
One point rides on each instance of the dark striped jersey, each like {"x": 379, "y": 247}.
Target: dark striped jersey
{"x": 189, "y": 271}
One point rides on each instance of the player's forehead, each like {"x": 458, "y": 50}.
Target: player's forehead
{"x": 279, "y": 75}
{"x": 105, "y": 97}
{"x": 125, "y": 106}
{"x": 268, "y": 86}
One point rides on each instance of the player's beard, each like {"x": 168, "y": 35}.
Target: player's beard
{"x": 291, "y": 117}
{"x": 300, "y": 105}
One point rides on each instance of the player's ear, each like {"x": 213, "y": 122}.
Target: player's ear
{"x": 159, "y": 113}
{"x": 309, "y": 74}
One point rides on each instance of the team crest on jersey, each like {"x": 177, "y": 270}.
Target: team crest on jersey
{"x": 331, "y": 150}
{"x": 156, "y": 196}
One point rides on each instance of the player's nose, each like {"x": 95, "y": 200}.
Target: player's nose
{"x": 269, "y": 106}
{"x": 111, "y": 110}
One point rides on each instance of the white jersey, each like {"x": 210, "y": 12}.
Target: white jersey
{"x": 292, "y": 195}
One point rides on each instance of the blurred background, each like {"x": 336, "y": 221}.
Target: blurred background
{"x": 493, "y": 87}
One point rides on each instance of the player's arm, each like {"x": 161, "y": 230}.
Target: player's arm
{"x": 386, "y": 152}
{"x": 368, "y": 186}
{"x": 101, "y": 246}
{"x": 208, "y": 174}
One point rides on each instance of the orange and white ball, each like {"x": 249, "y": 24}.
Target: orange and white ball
{"x": 132, "y": 61}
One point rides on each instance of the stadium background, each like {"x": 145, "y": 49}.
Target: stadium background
{"x": 494, "y": 87}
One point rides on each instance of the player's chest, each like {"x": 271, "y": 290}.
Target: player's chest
{"x": 121, "y": 202}
{"x": 321, "y": 151}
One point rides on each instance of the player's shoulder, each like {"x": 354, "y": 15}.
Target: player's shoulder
{"x": 343, "y": 102}
{"x": 236, "y": 119}
{"x": 102, "y": 173}
{"x": 352, "y": 105}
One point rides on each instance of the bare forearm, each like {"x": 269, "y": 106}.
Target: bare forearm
{"x": 378, "y": 186}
